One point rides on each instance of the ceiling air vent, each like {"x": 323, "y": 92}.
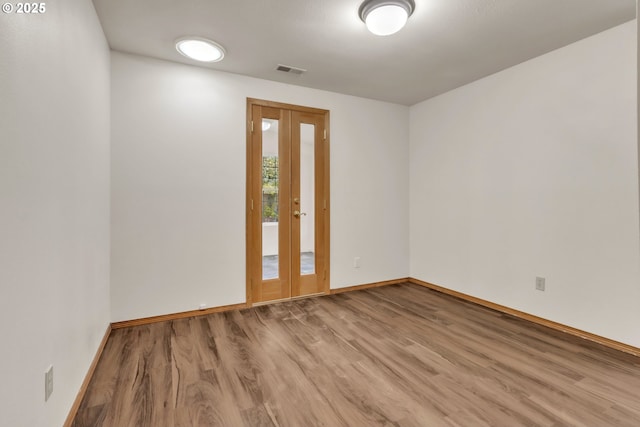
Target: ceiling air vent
{"x": 288, "y": 69}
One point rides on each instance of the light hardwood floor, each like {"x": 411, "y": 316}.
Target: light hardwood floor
{"x": 398, "y": 355}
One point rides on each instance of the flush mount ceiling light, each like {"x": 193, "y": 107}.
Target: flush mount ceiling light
{"x": 385, "y": 17}
{"x": 200, "y": 49}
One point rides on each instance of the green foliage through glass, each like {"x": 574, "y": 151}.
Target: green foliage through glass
{"x": 270, "y": 189}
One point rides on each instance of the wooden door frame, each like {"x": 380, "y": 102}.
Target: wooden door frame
{"x": 251, "y": 248}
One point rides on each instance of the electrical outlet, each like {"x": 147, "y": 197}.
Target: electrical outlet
{"x": 356, "y": 262}
{"x": 540, "y": 283}
{"x": 48, "y": 383}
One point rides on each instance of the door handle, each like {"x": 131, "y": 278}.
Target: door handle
{"x": 298, "y": 214}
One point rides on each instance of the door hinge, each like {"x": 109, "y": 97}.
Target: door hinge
{"x": 324, "y": 275}
{"x": 251, "y": 204}
{"x": 251, "y": 126}
{"x": 325, "y": 134}
{"x": 325, "y": 204}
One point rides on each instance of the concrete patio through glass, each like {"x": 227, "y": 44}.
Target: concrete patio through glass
{"x": 270, "y": 265}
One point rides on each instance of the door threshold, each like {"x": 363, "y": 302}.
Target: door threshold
{"x": 276, "y": 301}
{"x": 309, "y": 295}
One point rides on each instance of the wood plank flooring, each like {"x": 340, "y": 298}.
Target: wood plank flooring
{"x": 398, "y": 355}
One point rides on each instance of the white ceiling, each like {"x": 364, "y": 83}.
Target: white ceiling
{"x": 446, "y": 43}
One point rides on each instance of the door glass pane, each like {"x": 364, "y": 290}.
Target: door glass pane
{"x": 307, "y": 199}
{"x": 270, "y": 202}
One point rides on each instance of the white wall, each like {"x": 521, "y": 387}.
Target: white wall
{"x": 54, "y": 207}
{"x": 534, "y": 172}
{"x": 178, "y": 185}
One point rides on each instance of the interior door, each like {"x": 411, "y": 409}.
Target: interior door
{"x": 287, "y": 202}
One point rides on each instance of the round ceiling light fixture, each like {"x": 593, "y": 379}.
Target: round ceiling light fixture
{"x": 386, "y": 17}
{"x": 200, "y": 49}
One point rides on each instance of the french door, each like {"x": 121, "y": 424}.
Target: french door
{"x": 287, "y": 201}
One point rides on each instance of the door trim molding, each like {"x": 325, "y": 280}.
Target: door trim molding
{"x": 284, "y": 106}
{"x": 325, "y": 274}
